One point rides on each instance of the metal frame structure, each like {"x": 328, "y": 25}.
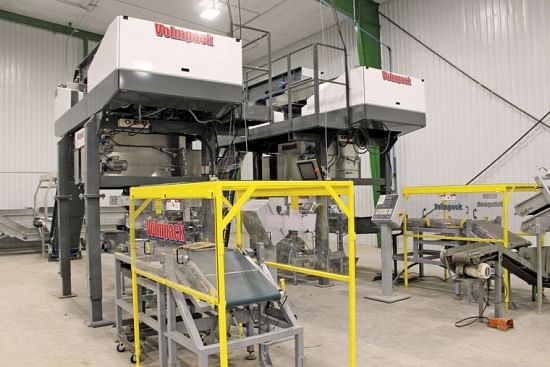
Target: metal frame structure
{"x": 418, "y": 235}
{"x": 244, "y": 190}
{"x": 92, "y": 113}
{"x": 312, "y": 128}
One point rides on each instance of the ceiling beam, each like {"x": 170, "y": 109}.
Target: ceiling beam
{"x": 49, "y": 26}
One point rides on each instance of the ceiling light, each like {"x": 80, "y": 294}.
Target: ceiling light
{"x": 210, "y": 13}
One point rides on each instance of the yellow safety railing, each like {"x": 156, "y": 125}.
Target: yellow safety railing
{"x": 244, "y": 190}
{"x": 506, "y": 190}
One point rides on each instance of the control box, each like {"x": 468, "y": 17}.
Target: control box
{"x": 387, "y": 211}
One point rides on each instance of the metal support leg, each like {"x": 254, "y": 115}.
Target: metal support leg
{"x": 394, "y": 252}
{"x": 421, "y": 256}
{"x": 322, "y": 248}
{"x": 499, "y": 300}
{"x": 202, "y": 360}
{"x": 119, "y": 289}
{"x": 172, "y": 348}
{"x": 387, "y": 296}
{"x": 64, "y": 156}
{"x": 539, "y": 234}
{"x": 161, "y": 314}
{"x": 299, "y": 349}
{"x": 93, "y": 241}
{"x": 249, "y": 332}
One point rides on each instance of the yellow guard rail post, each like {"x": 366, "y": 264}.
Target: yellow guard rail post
{"x": 244, "y": 190}
{"x": 506, "y": 190}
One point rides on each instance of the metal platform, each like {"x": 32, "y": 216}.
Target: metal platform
{"x": 124, "y": 87}
{"x": 399, "y": 121}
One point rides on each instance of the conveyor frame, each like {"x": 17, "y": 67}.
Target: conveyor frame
{"x": 243, "y": 191}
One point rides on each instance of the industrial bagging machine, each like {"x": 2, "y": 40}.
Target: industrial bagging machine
{"x": 161, "y": 114}
{"x": 138, "y": 115}
{"x": 155, "y": 115}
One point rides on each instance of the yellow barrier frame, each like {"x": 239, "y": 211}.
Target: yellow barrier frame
{"x": 505, "y": 189}
{"x": 244, "y": 190}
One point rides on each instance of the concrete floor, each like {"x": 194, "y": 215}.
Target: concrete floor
{"x": 38, "y": 329}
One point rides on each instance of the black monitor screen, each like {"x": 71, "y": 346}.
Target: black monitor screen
{"x": 389, "y": 202}
{"x": 308, "y": 171}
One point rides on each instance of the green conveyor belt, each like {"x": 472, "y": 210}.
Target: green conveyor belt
{"x": 244, "y": 282}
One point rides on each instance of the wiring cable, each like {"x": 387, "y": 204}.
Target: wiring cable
{"x": 507, "y": 150}
{"x": 202, "y": 121}
{"x": 470, "y": 320}
{"x": 484, "y": 87}
{"x": 346, "y": 65}
{"x": 325, "y": 123}
{"x": 240, "y": 20}
{"x": 230, "y": 16}
{"x": 447, "y": 61}
{"x": 91, "y": 6}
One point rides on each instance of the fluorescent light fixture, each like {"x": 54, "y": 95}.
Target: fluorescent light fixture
{"x": 210, "y": 13}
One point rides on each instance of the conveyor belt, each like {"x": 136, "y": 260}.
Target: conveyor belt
{"x": 244, "y": 282}
{"x": 475, "y": 253}
{"x": 487, "y": 229}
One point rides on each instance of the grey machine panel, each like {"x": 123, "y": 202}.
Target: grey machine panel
{"x": 123, "y": 86}
{"x": 400, "y": 121}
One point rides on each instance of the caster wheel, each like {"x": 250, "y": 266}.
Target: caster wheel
{"x": 133, "y": 358}
{"x": 120, "y": 348}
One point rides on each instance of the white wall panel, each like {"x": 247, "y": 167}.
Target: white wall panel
{"x": 32, "y": 63}
{"x": 502, "y": 43}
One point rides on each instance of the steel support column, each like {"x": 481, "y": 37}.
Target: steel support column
{"x": 65, "y": 161}
{"x": 93, "y": 240}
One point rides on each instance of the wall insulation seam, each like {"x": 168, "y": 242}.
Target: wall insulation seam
{"x": 32, "y": 63}
{"x": 503, "y": 43}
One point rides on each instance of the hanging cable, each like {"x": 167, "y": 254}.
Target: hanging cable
{"x": 484, "y": 87}
{"x": 92, "y": 5}
{"x": 480, "y": 84}
{"x": 230, "y": 15}
{"x": 325, "y": 123}
{"x": 202, "y": 121}
{"x": 358, "y": 28}
{"x": 346, "y": 65}
{"x": 523, "y": 136}
{"x": 240, "y": 21}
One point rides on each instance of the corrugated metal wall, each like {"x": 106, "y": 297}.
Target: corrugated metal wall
{"x": 502, "y": 43}
{"x": 331, "y": 65}
{"x": 32, "y": 63}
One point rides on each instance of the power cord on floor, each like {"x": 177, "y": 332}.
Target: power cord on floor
{"x": 470, "y": 320}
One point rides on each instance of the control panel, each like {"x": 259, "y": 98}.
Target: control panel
{"x": 387, "y": 211}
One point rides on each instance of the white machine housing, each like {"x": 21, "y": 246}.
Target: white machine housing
{"x": 66, "y": 96}
{"x": 157, "y": 48}
{"x": 372, "y": 87}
